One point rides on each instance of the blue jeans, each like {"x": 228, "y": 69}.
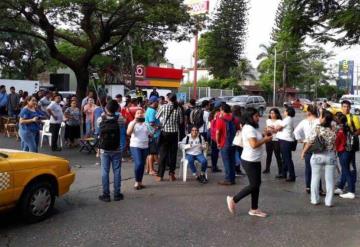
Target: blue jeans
{"x": 347, "y": 176}
{"x": 285, "y": 148}
{"x": 238, "y": 152}
{"x": 201, "y": 158}
{"x": 228, "y": 157}
{"x": 29, "y": 140}
{"x": 214, "y": 155}
{"x": 139, "y": 155}
{"x": 111, "y": 159}
{"x": 88, "y": 128}
{"x": 308, "y": 171}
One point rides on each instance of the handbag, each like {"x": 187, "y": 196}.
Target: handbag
{"x": 318, "y": 146}
{"x": 238, "y": 140}
{"x": 355, "y": 138}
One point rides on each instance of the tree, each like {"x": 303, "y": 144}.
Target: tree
{"x": 22, "y": 57}
{"x": 222, "y": 47}
{"x": 93, "y": 27}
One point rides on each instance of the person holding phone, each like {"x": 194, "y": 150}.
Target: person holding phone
{"x": 253, "y": 140}
{"x": 139, "y": 146}
{"x": 29, "y": 125}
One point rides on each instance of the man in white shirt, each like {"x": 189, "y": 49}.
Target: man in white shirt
{"x": 194, "y": 144}
{"x": 56, "y": 118}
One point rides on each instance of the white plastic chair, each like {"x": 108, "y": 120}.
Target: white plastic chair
{"x": 184, "y": 163}
{"x": 45, "y": 132}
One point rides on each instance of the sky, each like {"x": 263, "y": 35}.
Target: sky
{"x": 261, "y": 21}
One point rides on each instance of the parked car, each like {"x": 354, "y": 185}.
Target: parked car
{"x": 212, "y": 99}
{"x": 226, "y": 98}
{"x": 298, "y": 103}
{"x": 31, "y": 181}
{"x": 246, "y": 101}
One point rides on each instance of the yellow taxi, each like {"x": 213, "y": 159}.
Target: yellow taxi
{"x": 31, "y": 181}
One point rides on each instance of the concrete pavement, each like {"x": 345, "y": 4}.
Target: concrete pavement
{"x": 184, "y": 214}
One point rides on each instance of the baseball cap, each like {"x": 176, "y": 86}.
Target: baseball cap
{"x": 153, "y": 99}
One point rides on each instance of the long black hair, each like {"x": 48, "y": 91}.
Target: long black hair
{"x": 277, "y": 113}
{"x": 248, "y": 115}
{"x": 328, "y": 116}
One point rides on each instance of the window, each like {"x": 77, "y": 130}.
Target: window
{"x": 256, "y": 99}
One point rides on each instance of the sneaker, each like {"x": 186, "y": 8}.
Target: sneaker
{"x": 216, "y": 170}
{"x": 226, "y": 183}
{"x": 280, "y": 177}
{"x": 338, "y": 191}
{"x": 348, "y": 195}
{"x": 118, "y": 197}
{"x": 104, "y": 198}
{"x": 205, "y": 180}
{"x": 266, "y": 171}
{"x": 257, "y": 213}
{"x": 231, "y": 204}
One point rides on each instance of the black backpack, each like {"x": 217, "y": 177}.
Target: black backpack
{"x": 197, "y": 117}
{"x": 109, "y": 134}
{"x": 188, "y": 138}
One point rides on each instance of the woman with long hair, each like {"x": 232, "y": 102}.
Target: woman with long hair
{"x": 286, "y": 140}
{"x": 251, "y": 161}
{"x": 273, "y": 146}
{"x": 139, "y": 146}
{"x": 325, "y": 158}
{"x": 29, "y": 125}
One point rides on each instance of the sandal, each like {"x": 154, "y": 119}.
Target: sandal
{"x": 152, "y": 173}
{"x": 257, "y": 213}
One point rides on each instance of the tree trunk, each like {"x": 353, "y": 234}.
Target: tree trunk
{"x": 82, "y": 77}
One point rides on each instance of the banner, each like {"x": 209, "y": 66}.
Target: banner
{"x": 346, "y": 76}
{"x": 197, "y": 7}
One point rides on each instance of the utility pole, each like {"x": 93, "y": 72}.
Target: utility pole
{"x": 274, "y": 84}
{"x": 357, "y": 79}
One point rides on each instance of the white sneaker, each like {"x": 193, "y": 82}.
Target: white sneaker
{"x": 231, "y": 204}
{"x": 338, "y": 191}
{"x": 348, "y": 195}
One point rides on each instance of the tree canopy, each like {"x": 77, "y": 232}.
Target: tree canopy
{"x": 222, "y": 46}
{"x": 93, "y": 27}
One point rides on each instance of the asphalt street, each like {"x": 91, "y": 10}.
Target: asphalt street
{"x": 183, "y": 214}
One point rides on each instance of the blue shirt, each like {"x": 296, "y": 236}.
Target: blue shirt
{"x": 27, "y": 114}
{"x": 3, "y": 99}
{"x": 150, "y": 118}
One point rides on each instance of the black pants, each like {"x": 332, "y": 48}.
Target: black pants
{"x": 54, "y": 130}
{"x": 253, "y": 171}
{"x": 168, "y": 152}
{"x": 273, "y": 147}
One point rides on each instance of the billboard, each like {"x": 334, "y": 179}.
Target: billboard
{"x": 197, "y": 7}
{"x": 346, "y": 76}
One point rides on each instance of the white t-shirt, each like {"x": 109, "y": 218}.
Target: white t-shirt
{"x": 286, "y": 133}
{"x": 271, "y": 123}
{"x": 140, "y": 136}
{"x": 57, "y": 111}
{"x": 251, "y": 154}
{"x": 194, "y": 147}
{"x": 305, "y": 128}
{"x": 203, "y": 128}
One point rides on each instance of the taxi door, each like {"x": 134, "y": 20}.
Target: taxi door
{"x": 6, "y": 182}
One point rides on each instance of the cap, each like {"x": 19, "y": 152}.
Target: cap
{"x": 153, "y": 99}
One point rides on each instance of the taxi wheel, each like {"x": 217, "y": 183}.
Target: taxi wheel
{"x": 37, "y": 201}
{"x": 357, "y": 112}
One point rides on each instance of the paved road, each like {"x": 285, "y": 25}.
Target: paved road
{"x": 183, "y": 214}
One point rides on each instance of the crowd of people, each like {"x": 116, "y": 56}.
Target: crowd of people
{"x": 152, "y": 129}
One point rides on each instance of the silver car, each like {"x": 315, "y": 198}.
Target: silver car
{"x": 247, "y": 101}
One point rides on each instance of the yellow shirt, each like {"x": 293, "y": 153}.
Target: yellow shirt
{"x": 355, "y": 120}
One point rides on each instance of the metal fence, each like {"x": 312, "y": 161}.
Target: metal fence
{"x": 206, "y": 92}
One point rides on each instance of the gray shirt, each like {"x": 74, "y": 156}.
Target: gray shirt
{"x": 75, "y": 116}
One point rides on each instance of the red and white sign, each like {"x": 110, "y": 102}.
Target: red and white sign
{"x": 140, "y": 71}
{"x": 197, "y": 7}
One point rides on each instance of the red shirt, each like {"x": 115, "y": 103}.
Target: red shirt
{"x": 221, "y": 127}
{"x": 340, "y": 142}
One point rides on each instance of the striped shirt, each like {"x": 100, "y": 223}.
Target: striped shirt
{"x": 172, "y": 124}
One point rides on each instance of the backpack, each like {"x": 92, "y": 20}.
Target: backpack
{"x": 188, "y": 138}
{"x": 197, "y": 117}
{"x": 230, "y": 132}
{"x": 109, "y": 134}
